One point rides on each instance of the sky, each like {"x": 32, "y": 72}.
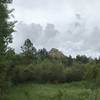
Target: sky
{"x": 72, "y": 26}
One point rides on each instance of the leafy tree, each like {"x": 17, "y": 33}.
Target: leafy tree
{"x": 29, "y": 51}
{"x": 6, "y": 28}
{"x": 55, "y": 53}
{"x": 69, "y": 61}
{"x": 73, "y": 74}
{"x": 10, "y": 54}
{"x": 42, "y": 54}
{"x": 28, "y": 48}
{"x": 82, "y": 59}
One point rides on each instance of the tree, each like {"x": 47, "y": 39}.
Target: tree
{"x": 42, "y": 54}
{"x": 10, "y": 54}
{"x": 6, "y": 28}
{"x": 82, "y": 59}
{"x": 69, "y": 60}
{"x": 29, "y": 51}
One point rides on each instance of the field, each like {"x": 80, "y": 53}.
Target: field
{"x": 66, "y": 91}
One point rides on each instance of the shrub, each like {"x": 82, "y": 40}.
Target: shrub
{"x": 74, "y": 74}
{"x": 48, "y": 71}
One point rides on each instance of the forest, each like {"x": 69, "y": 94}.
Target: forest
{"x": 36, "y": 74}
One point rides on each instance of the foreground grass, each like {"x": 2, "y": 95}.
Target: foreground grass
{"x": 68, "y": 91}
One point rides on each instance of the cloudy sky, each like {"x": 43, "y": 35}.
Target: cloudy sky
{"x": 72, "y": 26}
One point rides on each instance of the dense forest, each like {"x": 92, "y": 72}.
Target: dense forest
{"x": 39, "y": 65}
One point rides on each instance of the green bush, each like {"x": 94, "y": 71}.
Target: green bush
{"x": 92, "y": 71}
{"x": 48, "y": 71}
{"x": 74, "y": 73}
{"x": 21, "y": 74}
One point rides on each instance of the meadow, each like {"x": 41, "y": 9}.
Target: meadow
{"x": 65, "y": 91}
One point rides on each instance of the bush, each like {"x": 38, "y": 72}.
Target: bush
{"x": 92, "y": 71}
{"x": 74, "y": 73}
{"x": 22, "y": 74}
{"x": 48, "y": 71}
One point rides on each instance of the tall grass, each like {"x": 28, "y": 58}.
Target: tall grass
{"x": 67, "y": 91}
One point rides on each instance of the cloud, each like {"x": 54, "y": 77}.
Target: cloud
{"x": 24, "y": 31}
{"x": 35, "y": 32}
{"x": 70, "y": 25}
{"x": 77, "y": 39}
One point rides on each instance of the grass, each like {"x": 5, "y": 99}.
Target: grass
{"x": 66, "y": 91}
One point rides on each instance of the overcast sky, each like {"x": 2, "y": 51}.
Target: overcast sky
{"x": 72, "y": 26}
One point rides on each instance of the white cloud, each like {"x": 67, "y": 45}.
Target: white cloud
{"x": 70, "y": 33}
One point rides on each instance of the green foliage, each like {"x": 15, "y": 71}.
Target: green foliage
{"x": 45, "y": 71}
{"x": 92, "y": 71}
{"x": 44, "y": 66}
{"x": 28, "y": 48}
{"x": 69, "y": 61}
{"x": 31, "y": 91}
{"x": 42, "y": 54}
{"x": 6, "y": 28}
{"x": 29, "y": 52}
{"x": 82, "y": 59}
{"x": 75, "y": 73}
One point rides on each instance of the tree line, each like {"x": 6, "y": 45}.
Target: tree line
{"x": 48, "y": 66}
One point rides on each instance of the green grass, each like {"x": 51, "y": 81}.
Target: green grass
{"x": 66, "y": 91}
